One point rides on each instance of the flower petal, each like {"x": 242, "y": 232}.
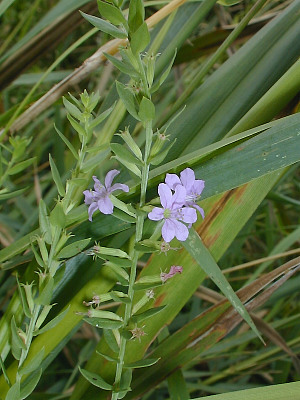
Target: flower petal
{"x": 98, "y": 185}
{"x": 110, "y": 176}
{"x": 189, "y": 215}
{"x": 156, "y": 214}
{"x": 168, "y": 230}
{"x": 198, "y": 187}
{"x": 181, "y": 231}
{"x": 201, "y": 211}
{"x": 105, "y": 205}
{"x": 120, "y": 186}
{"x": 187, "y": 177}
{"x": 89, "y": 196}
{"x": 178, "y": 198}
{"x": 172, "y": 180}
{"x": 165, "y": 195}
{"x": 92, "y": 208}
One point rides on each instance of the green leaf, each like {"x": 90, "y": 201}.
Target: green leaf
{"x": 125, "y": 135}
{"x": 14, "y": 392}
{"x": 93, "y": 162}
{"x": 147, "y": 362}
{"x": 58, "y": 216}
{"x": 201, "y": 254}
{"x": 122, "y": 66}
{"x": 122, "y": 299}
{"x": 104, "y": 26}
{"x": 159, "y": 158}
{"x": 121, "y": 275}
{"x": 108, "y": 358}
{"x": 130, "y": 166}
{"x": 56, "y": 177}
{"x": 44, "y": 221}
{"x": 101, "y": 117}
{"x": 111, "y": 251}
{"x": 128, "y": 99}
{"x": 136, "y": 15}
{"x": 73, "y": 110}
{"x": 67, "y": 142}
{"x": 147, "y": 110}
{"x": 94, "y": 313}
{"x": 177, "y": 386}
{"x": 51, "y": 324}
{"x": 123, "y": 154}
{"x": 30, "y": 384}
{"x": 274, "y": 392}
{"x": 140, "y": 39}
{"x": 17, "y": 344}
{"x": 78, "y": 128}
{"x": 163, "y": 76}
{"x": 20, "y": 166}
{"x": 24, "y": 300}
{"x": 95, "y": 379}
{"x": 73, "y": 248}
{"x": 104, "y": 323}
{"x": 46, "y": 291}
{"x": 33, "y": 363}
{"x": 113, "y": 14}
{"x": 111, "y": 340}
{"x": 147, "y": 282}
{"x": 146, "y": 314}
{"x": 126, "y": 379}
{"x": 10, "y": 195}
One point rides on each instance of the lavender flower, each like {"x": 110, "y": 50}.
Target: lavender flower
{"x": 98, "y": 199}
{"x": 175, "y": 269}
{"x": 193, "y": 187}
{"x": 173, "y": 212}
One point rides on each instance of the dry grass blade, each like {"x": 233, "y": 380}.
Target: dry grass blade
{"x": 46, "y": 40}
{"x": 80, "y": 73}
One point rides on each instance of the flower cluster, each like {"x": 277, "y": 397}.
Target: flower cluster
{"x": 178, "y": 207}
{"x": 98, "y": 199}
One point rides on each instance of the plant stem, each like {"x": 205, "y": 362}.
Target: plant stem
{"x": 135, "y": 256}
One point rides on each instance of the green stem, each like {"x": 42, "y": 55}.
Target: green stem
{"x": 135, "y": 256}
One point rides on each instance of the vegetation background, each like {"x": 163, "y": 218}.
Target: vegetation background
{"x": 237, "y": 73}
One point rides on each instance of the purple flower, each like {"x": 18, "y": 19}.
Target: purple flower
{"x": 192, "y": 186}
{"x": 175, "y": 269}
{"x": 173, "y": 212}
{"x": 98, "y": 199}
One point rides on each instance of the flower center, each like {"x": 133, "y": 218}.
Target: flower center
{"x": 167, "y": 213}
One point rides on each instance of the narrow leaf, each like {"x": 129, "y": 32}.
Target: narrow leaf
{"x": 95, "y": 379}
{"x": 101, "y": 117}
{"x": 67, "y": 142}
{"x": 103, "y": 323}
{"x": 122, "y": 66}
{"x": 201, "y": 254}
{"x": 147, "y": 110}
{"x": 14, "y": 392}
{"x": 146, "y": 314}
{"x": 122, "y": 153}
{"x": 111, "y": 340}
{"x": 128, "y": 99}
{"x": 30, "y": 384}
{"x": 33, "y": 364}
{"x": 51, "y": 324}
{"x": 108, "y": 358}
{"x": 20, "y": 166}
{"x": 5, "y": 196}
{"x": 113, "y": 14}
{"x": 140, "y": 39}
{"x": 73, "y": 248}
{"x": 147, "y": 362}
{"x": 56, "y": 177}
{"x": 44, "y": 221}
{"x": 104, "y": 26}
{"x": 164, "y": 75}
{"x": 73, "y": 110}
